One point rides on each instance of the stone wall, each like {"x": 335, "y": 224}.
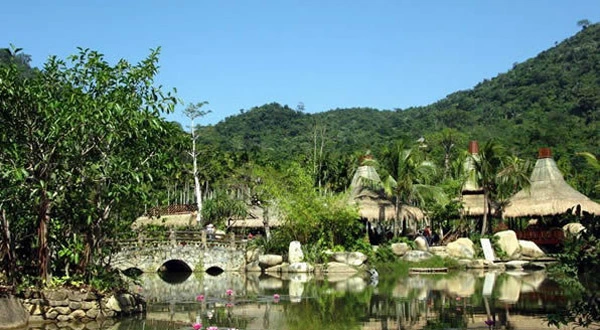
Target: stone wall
{"x": 64, "y": 305}
{"x": 12, "y": 314}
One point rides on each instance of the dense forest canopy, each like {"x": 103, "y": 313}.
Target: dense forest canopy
{"x": 551, "y": 100}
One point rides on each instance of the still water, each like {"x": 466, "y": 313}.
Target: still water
{"x": 458, "y": 300}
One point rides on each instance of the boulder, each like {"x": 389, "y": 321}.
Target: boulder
{"x": 351, "y": 258}
{"x": 461, "y": 248}
{"x": 421, "y": 244}
{"x": 400, "y": 249}
{"x": 253, "y": 267}
{"x": 295, "y": 253}
{"x": 530, "y": 249}
{"x": 300, "y": 267}
{"x": 339, "y": 267}
{"x": 12, "y": 313}
{"x": 281, "y": 268}
{"x": 269, "y": 260}
{"x": 440, "y": 251}
{"x": 508, "y": 242}
{"x": 252, "y": 254}
{"x": 416, "y": 255}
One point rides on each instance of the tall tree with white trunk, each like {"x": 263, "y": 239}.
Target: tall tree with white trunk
{"x": 193, "y": 111}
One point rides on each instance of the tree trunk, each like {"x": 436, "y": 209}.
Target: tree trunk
{"x": 446, "y": 164}
{"x": 6, "y": 248}
{"x": 485, "y": 214}
{"x": 197, "y": 188}
{"x": 43, "y": 252}
{"x": 397, "y": 222}
{"x": 266, "y": 223}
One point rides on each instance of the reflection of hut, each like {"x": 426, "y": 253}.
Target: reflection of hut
{"x": 548, "y": 194}
{"x": 375, "y": 207}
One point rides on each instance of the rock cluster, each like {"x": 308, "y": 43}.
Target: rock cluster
{"x": 339, "y": 262}
{"x": 64, "y": 305}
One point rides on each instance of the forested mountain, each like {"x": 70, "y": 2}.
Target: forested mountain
{"x": 550, "y": 100}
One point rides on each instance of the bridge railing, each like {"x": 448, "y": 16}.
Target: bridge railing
{"x": 183, "y": 238}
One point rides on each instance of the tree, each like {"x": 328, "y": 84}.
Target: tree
{"x": 594, "y": 164}
{"x": 193, "y": 111}
{"x": 408, "y": 180}
{"x": 584, "y": 23}
{"x": 499, "y": 175}
{"x": 81, "y": 139}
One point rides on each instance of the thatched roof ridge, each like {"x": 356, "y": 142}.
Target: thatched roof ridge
{"x": 548, "y": 194}
{"x": 255, "y": 218}
{"x": 372, "y": 203}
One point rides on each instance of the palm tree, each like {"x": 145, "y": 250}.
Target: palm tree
{"x": 593, "y": 163}
{"x": 408, "y": 180}
{"x": 499, "y": 175}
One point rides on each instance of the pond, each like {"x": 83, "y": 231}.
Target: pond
{"x": 457, "y": 300}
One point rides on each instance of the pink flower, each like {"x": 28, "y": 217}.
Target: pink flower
{"x": 229, "y": 305}
{"x": 200, "y": 297}
{"x": 229, "y": 292}
{"x": 197, "y": 326}
{"x": 276, "y": 297}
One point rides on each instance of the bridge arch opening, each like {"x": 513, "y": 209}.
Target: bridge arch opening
{"x": 133, "y": 272}
{"x": 174, "y": 271}
{"x": 214, "y": 271}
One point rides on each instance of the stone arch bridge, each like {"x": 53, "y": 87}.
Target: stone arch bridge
{"x": 180, "y": 254}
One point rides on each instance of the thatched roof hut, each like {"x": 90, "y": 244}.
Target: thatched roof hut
{"x": 372, "y": 203}
{"x": 548, "y": 194}
{"x": 255, "y": 218}
{"x": 472, "y": 193}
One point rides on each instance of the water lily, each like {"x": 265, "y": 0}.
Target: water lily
{"x": 200, "y": 297}
{"x": 197, "y": 326}
{"x": 229, "y": 292}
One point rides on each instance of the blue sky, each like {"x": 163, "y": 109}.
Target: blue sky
{"x": 327, "y": 54}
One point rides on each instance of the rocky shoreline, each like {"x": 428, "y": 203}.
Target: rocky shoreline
{"x": 65, "y": 306}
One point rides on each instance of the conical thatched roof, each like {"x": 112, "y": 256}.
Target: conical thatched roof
{"x": 548, "y": 194}
{"x": 372, "y": 202}
{"x": 471, "y": 185}
{"x": 472, "y": 193}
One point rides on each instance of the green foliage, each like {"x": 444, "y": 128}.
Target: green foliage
{"x": 80, "y": 145}
{"x": 411, "y": 243}
{"x": 384, "y": 254}
{"x": 221, "y": 207}
{"x": 309, "y": 216}
{"x": 579, "y": 254}
{"x": 499, "y": 253}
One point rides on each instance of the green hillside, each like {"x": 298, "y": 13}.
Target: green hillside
{"x": 550, "y": 100}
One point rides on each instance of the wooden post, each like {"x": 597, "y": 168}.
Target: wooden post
{"x": 203, "y": 239}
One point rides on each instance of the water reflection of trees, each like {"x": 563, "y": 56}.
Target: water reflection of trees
{"x": 454, "y": 300}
